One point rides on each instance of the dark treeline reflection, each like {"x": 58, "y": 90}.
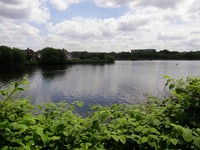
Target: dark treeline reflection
{"x": 14, "y": 73}
{"x": 50, "y": 72}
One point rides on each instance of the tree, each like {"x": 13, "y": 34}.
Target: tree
{"x": 62, "y": 56}
{"x": 18, "y": 56}
{"x": 49, "y": 56}
{"x": 6, "y": 55}
{"x": 109, "y": 58}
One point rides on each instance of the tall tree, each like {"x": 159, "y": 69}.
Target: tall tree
{"x": 6, "y": 55}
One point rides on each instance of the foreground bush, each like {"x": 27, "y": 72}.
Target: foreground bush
{"x": 172, "y": 123}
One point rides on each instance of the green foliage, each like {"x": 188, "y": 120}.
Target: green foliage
{"x": 19, "y": 56}
{"x": 62, "y": 56}
{"x": 49, "y": 56}
{"x": 161, "y": 55}
{"x": 91, "y": 57}
{"x": 52, "y": 56}
{"x": 6, "y": 55}
{"x": 109, "y": 58}
{"x": 172, "y": 123}
{"x": 9, "y": 56}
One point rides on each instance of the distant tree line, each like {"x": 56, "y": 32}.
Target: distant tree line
{"x": 51, "y": 55}
{"x": 11, "y": 55}
{"x": 45, "y": 56}
{"x": 92, "y": 57}
{"x": 161, "y": 55}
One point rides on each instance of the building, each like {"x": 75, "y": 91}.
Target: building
{"x": 68, "y": 54}
{"x": 30, "y": 54}
{"x": 142, "y": 50}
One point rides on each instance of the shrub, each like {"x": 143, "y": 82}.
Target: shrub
{"x": 172, "y": 123}
{"x": 6, "y": 55}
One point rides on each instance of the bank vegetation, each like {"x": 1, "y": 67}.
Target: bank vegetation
{"x": 169, "y": 123}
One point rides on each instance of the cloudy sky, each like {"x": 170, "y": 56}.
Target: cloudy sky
{"x": 101, "y": 25}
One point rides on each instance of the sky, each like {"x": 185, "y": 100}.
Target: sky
{"x": 101, "y": 25}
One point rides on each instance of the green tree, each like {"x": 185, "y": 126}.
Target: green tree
{"x": 109, "y": 58}
{"x": 62, "y": 56}
{"x": 6, "y": 55}
{"x": 19, "y": 56}
{"x": 49, "y": 56}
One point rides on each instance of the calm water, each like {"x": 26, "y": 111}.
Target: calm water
{"x": 124, "y": 81}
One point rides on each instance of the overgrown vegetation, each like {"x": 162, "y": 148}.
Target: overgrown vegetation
{"x": 172, "y": 123}
{"x": 91, "y": 57}
{"x": 11, "y": 55}
{"x": 154, "y": 55}
{"x": 52, "y": 56}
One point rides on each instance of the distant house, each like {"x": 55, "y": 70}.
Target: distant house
{"x": 69, "y": 56}
{"x": 30, "y": 54}
{"x": 142, "y": 50}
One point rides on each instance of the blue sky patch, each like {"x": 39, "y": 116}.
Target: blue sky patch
{"x": 86, "y": 9}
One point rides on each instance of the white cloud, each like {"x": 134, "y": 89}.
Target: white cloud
{"x": 194, "y": 43}
{"x": 111, "y": 3}
{"x": 16, "y": 35}
{"x": 159, "y": 3}
{"x": 24, "y": 10}
{"x": 173, "y": 25}
{"x": 78, "y": 28}
{"x": 39, "y": 11}
{"x": 63, "y": 4}
{"x": 149, "y": 27}
{"x": 142, "y": 3}
{"x": 170, "y": 36}
{"x": 131, "y": 23}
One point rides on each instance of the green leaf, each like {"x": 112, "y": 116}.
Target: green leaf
{"x": 197, "y": 141}
{"x": 139, "y": 128}
{"x": 4, "y": 92}
{"x": 39, "y": 131}
{"x": 187, "y": 135}
{"x": 198, "y": 130}
{"x": 145, "y": 130}
{"x": 60, "y": 127}
{"x": 55, "y": 138}
{"x": 27, "y": 147}
{"x": 122, "y": 139}
{"x": 171, "y": 86}
{"x": 20, "y": 89}
{"x": 153, "y": 130}
{"x": 95, "y": 107}
{"x": 156, "y": 122}
{"x": 22, "y": 128}
{"x": 104, "y": 115}
{"x": 12, "y": 117}
{"x": 27, "y": 138}
{"x": 174, "y": 141}
{"x": 179, "y": 90}
{"x": 178, "y": 128}
{"x": 166, "y": 76}
{"x": 144, "y": 139}
{"x": 16, "y": 84}
{"x": 80, "y": 104}
{"x": 66, "y": 133}
{"x": 115, "y": 137}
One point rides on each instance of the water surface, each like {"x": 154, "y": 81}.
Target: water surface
{"x": 121, "y": 82}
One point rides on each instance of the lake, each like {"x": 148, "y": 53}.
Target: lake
{"x": 121, "y": 82}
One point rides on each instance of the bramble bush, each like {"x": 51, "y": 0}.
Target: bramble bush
{"x": 171, "y": 123}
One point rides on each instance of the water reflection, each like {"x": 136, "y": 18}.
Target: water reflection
{"x": 122, "y": 82}
{"x": 14, "y": 73}
{"x": 51, "y": 72}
